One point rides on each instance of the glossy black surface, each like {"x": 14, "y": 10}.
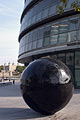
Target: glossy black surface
{"x": 46, "y": 85}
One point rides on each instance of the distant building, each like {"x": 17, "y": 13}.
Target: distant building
{"x": 8, "y": 70}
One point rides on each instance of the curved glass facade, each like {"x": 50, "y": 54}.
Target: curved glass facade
{"x": 40, "y": 11}
{"x": 55, "y": 33}
{"x": 44, "y": 32}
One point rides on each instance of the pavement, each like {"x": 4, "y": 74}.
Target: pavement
{"x": 13, "y": 107}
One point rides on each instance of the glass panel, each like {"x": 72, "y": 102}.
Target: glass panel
{"x": 39, "y": 43}
{"x": 78, "y": 34}
{"x": 40, "y": 33}
{"x": 61, "y": 57}
{"x": 72, "y": 36}
{"x": 47, "y": 31}
{"x": 34, "y": 35}
{"x": 29, "y": 46}
{"x": 26, "y": 47}
{"x": 73, "y": 24}
{"x": 69, "y": 3}
{"x": 54, "y": 29}
{"x": 34, "y": 45}
{"x": 33, "y": 19}
{"x": 77, "y": 59}
{"x": 77, "y": 76}
{"x": 38, "y": 16}
{"x": 45, "y": 13}
{"x": 54, "y": 56}
{"x": 63, "y": 28}
{"x": 30, "y": 38}
{"x": 70, "y": 58}
{"x": 29, "y": 22}
{"x": 26, "y": 39}
{"x": 46, "y": 41}
{"x": 52, "y": 10}
{"x": 62, "y": 38}
{"x": 53, "y": 39}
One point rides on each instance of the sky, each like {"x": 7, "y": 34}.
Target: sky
{"x": 10, "y": 13}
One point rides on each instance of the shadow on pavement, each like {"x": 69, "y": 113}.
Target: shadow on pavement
{"x": 19, "y": 113}
{"x": 77, "y": 91}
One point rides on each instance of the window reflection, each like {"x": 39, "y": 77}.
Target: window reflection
{"x": 72, "y": 36}
{"x": 52, "y": 10}
{"x": 73, "y": 24}
{"x": 34, "y": 35}
{"x": 62, "y": 38}
{"x": 78, "y": 34}
{"x": 47, "y": 31}
{"x": 61, "y": 57}
{"x": 29, "y": 46}
{"x": 63, "y": 28}
{"x": 70, "y": 59}
{"x": 54, "y": 29}
{"x": 40, "y": 33}
{"x": 39, "y": 43}
{"x": 53, "y": 39}
{"x": 45, "y": 13}
{"x": 38, "y": 16}
{"x": 69, "y": 3}
{"x": 77, "y": 59}
{"x": 34, "y": 45}
{"x": 46, "y": 41}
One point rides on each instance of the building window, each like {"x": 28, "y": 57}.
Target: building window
{"x": 62, "y": 38}
{"x": 39, "y": 43}
{"x": 29, "y": 46}
{"x": 70, "y": 59}
{"x": 47, "y": 31}
{"x": 72, "y": 36}
{"x": 77, "y": 60}
{"x": 54, "y": 56}
{"x": 69, "y": 3}
{"x": 38, "y": 16}
{"x": 54, "y": 29}
{"x": 53, "y": 39}
{"x": 77, "y": 77}
{"x": 63, "y": 28}
{"x": 30, "y": 38}
{"x": 77, "y": 68}
{"x": 26, "y": 39}
{"x": 26, "y": 47}
{"x": 78, "y": 34}
{"x": 73, "y": 24}
{"x": 46, "y": 41}
{"x": 52, "y": 10}
{"x": 61, "y": 57}
{"x": 45, "y": 13}
{"x": 35, "y": 35}
{"x": 34, "y": 45}
{"x": 40, "y": 33}
{"x": 33, "y": 19}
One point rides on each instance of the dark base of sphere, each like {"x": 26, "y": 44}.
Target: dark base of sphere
{"x": 47, "y": 85}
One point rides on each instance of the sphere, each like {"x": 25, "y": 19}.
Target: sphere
{"x": 47, "y": 85}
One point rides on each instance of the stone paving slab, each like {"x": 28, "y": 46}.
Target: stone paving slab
{"x": 13, "y": 107}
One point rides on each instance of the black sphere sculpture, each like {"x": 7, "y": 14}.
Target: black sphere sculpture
{"x": 47, "y": 85}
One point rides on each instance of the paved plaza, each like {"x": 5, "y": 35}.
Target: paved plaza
{"x": 13, "y": 107}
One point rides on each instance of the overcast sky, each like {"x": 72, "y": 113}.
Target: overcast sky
{"x": 10, "y": 12}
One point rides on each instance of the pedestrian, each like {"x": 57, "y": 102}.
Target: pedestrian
{"x": 13, "y": 81}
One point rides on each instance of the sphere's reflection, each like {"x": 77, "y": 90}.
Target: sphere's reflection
{"x": 46, "y": 85}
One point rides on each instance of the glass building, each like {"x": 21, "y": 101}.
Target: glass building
{"x": 44, "y": 32}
